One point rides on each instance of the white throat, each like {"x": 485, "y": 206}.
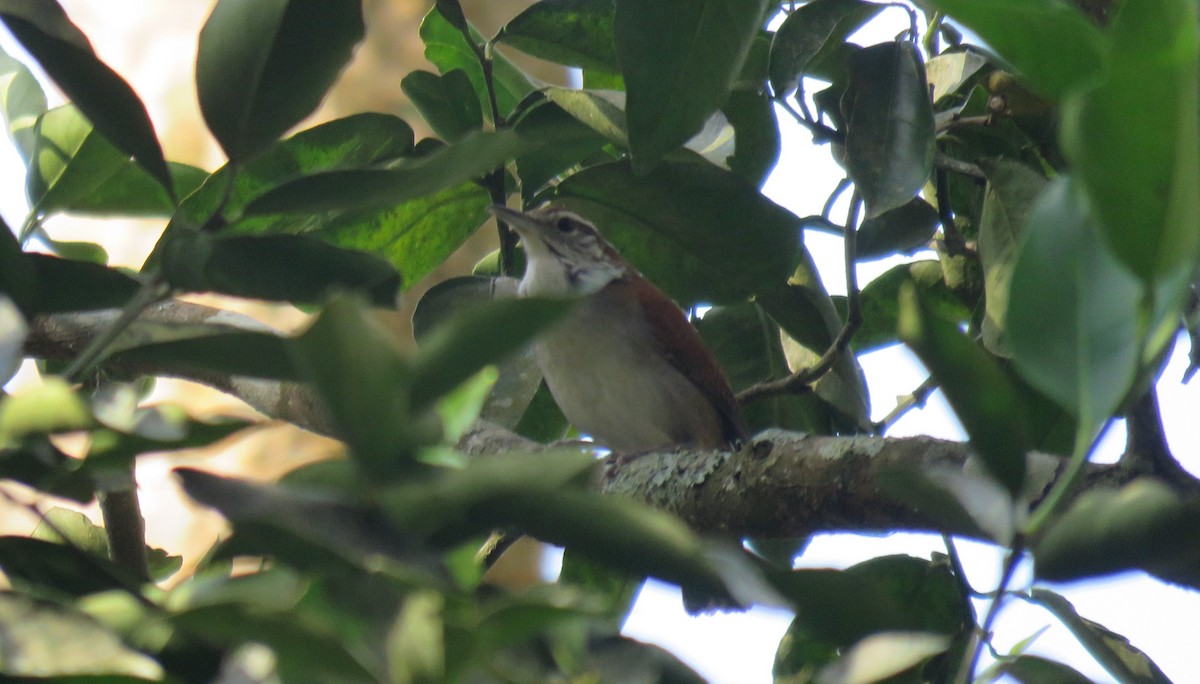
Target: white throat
{"x": 545, "y": 276}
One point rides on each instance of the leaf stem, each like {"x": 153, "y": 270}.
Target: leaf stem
{"x": 983, "y": 635}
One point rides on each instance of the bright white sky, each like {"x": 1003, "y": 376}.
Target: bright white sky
{"x": 739, "y": 648}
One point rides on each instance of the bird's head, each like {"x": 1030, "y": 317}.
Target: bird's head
{"x": 565, "y": 254}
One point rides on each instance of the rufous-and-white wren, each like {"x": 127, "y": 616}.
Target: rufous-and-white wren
{"x": 625, "y": 365}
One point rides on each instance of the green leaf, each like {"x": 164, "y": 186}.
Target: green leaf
{"x": 1143, "y": 525}
{"x": 984, "y": 400}
{"x": 75, "y": 169}
{"x": 808, "y": 30}
{"x": 447, "y": 102}
{"x": 971, "y": 504}
{"x": 40, "y": 465}
{"x": 756, "y": 135}
{"x": 566, "y": 142}
{"x": 259, "y": 70}
{"x": 416, "y": 649}
{"x": 35, "y": 564}
{"x": 1121, "y": 658}
{"x": 13, "y": 331}
{"x": 686, "y": 246}
{"x": 880, "y": 303}
{"x": 883, "y": 656}
{"x": 356, "y": 367}
{"x": 17, "y": 277}
{"x": 680, "y": 59}
{"x": 46, "y": 32}
{"x": 903, "y": 230}
{"x": 1034, "y": 670}
{"x": 460, "y": 162}
{"x": 21, "y": 103}
{"x": 45, "y": 409}
{"x": 889, "y": 131}
{"x": 600, "y": 110}
{"x": 1073, "y": 311}
{"x": 474, "y": 337}
{"x": 291, "y": 268}
{"x": 576, "y": 33}
{"x": 208, "y": 347}
{"x": 30, "y": 627}
{"x": 1012, "y": 191}
{"x": 1139, "y": 157}
{"x": 746, "y": 342}
{"x": 1051, "y": 43}
{"x": 447, "y": 48}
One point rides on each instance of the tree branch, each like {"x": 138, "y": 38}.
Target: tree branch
{"x": 782, "y": 485}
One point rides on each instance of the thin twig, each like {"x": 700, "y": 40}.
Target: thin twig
{"x": 954, "y": 241}
{"x": 984, "y": 633}
{"x": 799, "y": 381}
{"x": 942, "y": 160}
{"x": 904, "y": 404}
{"x": 151, "y": 291}
{"x": 821, "y": 132}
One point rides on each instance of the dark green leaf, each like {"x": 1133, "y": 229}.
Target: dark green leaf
{"x": 447, "y": 102}
{"x": 1139, "y": 157}
{"x": 18, "y": 279}
{"x": 1034, "y": 670}
{"x": 61, "y": 569}
{"x": 543, "y": 421}
{"x": 903, "y": 230}
{"x": 687, "y": 246}
{"x": 982, "y": 397}
{"x": 40, "y": 465}
{"x": 1143, "y": 525}
{"x": 260, "y": 68}
{"x": 292, "y": 268}
{"x": 1072, "y": 320}
{"x": 103, "y": 96}
{"x": 316, "y": 519}
{"x": 747, "y": 344}
{"x": 599, "y": 110}
{"x": 881, "y": 297}
{"x": 806, "y": 31}
{"x": 1113, "y": 651}
{"x": 208, "y": 348}
{"x": 756, "y": 131}
{"x": 1011, "y": 192}
{"x": 889, "y": 133}
{"x": 466, "y": 160}
{"x": 21, "y": 103}
{"x": 130, "y": 191}
{"x": 973, "y": 505}
{"x": 474, "y": 337}
{"x": 927, "y": 592}
{"x": 1052, "y": 43}
{"x": 566, "y": 143}
{"x": 66, "y": 285}
{"x": 447, "y": 48}
{"x": 576, "y": 33}
{"x": 356, "y": 367}
{"x": 679, "y": 59}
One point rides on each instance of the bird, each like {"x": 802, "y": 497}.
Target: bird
{"x": 624, "y": 364}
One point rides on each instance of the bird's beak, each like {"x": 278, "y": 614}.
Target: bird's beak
{"x": 516, "y": 220}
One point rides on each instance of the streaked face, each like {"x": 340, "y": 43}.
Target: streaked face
{"x": 566, "y": 255}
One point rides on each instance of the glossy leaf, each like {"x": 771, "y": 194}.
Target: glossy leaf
{"x": 979, "y": 392}
{"x": 75, "y": 169}
{"x": 453, "y": 165}
{"x": 355, "y": 366}
{"x": 1052, "y": 44}
{"x": 1144, "y": 525}
{"x": 1121, "y": 658}
{"x": 1012, "y": 191}
{"x": 261, "y": 68}
{"x": 100, "y": 93}
{"x": 1034, "y": 670}
{"x": 1073, "y": 310}
{"x": 576, "y": 33}
{"x": 1142, "y": 177}
{"x": 881, "y": 656}
{"x": 447, "y": 48}
{"x": 21, "y": 103}
{"x": 447, "y": 102}
{"x": 807, "y": 30}
{"x": 601, "y": 111}
{"x": 566, "y": 143}
{"x": 679, "y": 59}
{"x": 686, "y": 246}
{"x": 291, "y": 268}
{"x": 903, "y": 230}
{"x": 889, "y": 130}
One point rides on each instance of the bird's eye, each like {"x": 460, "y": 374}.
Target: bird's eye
{"x": 564, "y": 225}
